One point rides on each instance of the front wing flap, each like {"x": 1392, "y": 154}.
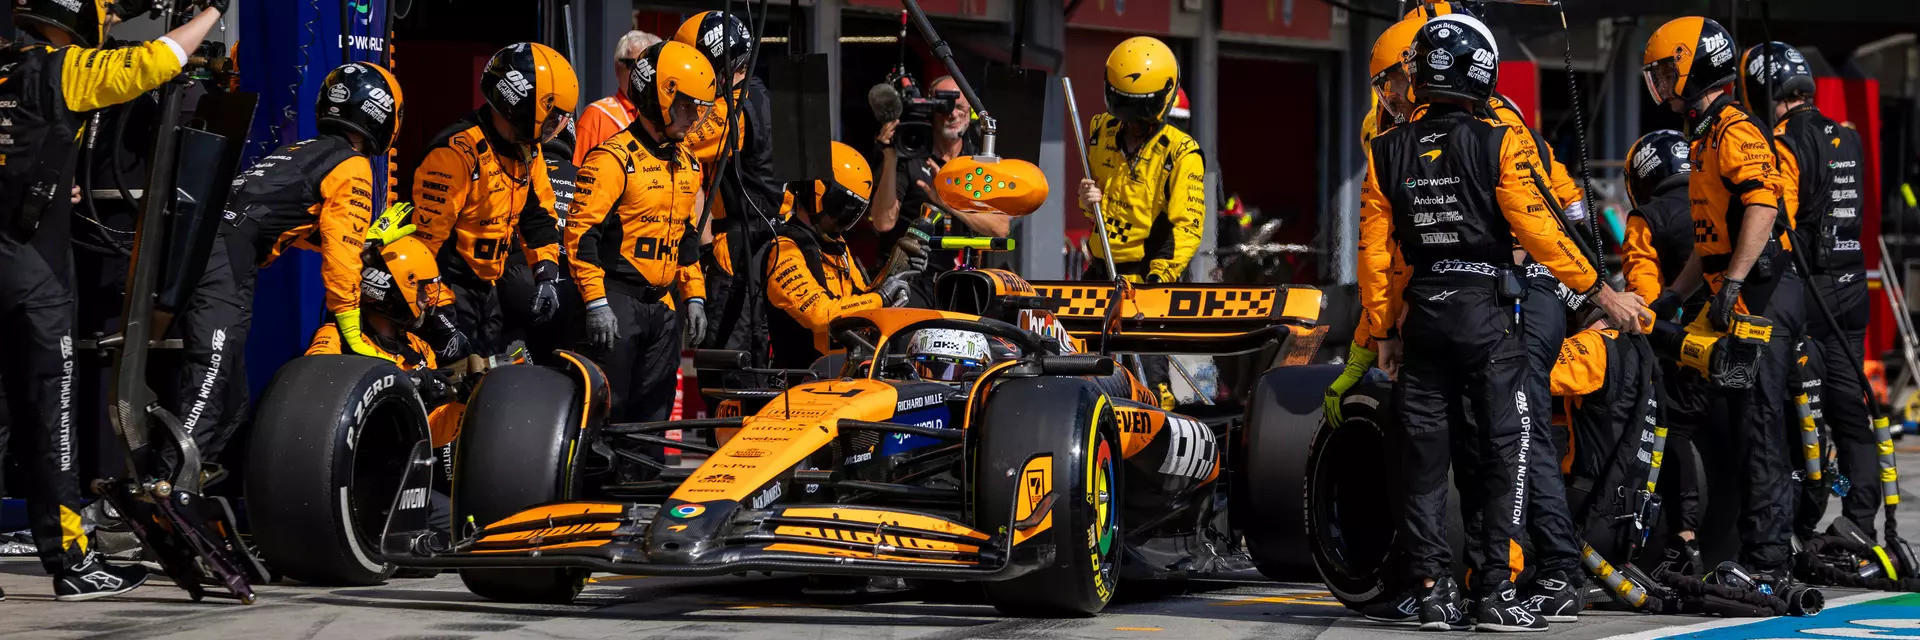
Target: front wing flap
{"x": 620, "y": 538}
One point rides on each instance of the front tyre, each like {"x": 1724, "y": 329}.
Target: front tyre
{"x": 519, "y": 446}
{"x": 1048, "y": 475}
{"x": 329, "y": 449}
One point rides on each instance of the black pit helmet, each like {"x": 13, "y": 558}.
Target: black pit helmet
{"x": 722, "y": 37}
{"x": 1772, "y": 65}
{"x": 1658, "y": 158}
{"x": 1454, "y": 56}
{"x": 363, "y": 98}
{"x": 84, "y": 20}
{"x": 533, "y": 86}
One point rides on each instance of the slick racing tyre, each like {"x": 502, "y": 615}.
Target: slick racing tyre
{"x": 1269, "y": 477}
{"x": 1353, "y": 478}
{"x": 518, "y": 448}
{"x": 1049, "y": 453}
{"x": 329, "y": 449}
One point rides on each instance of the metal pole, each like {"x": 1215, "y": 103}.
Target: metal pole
{"x": 1080, "y": 142}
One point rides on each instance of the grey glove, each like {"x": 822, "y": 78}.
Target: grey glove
{"x": 893, "y": 291}
{"x": 602, "y": 327}
{"x": 696, "y": 321}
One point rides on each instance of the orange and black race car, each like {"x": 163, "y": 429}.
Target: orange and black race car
{"x": 1043, "y": 471}
{"x": 1047, "y": 475}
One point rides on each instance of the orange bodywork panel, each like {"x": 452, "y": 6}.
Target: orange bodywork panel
{"x": 1036, "y": 481}
{"x": 782, "y": 434}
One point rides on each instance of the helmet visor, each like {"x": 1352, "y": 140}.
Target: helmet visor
{"x": 556, "y": 121}
{"x": 421, "y": 300}
{"x": 1663, "y": 79}
{"x": 686, "y": 110}
{"x": 945, "y": 368}
{"x": 842, "y": 207}
{"x": 1139, "y": 107}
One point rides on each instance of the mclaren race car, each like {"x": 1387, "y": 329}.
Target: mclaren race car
{"x": 1048, "y": 476}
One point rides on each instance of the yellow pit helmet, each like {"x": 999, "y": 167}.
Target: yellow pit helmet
{"x": 1142, "y": 79}
{"x": 534, "y": 88}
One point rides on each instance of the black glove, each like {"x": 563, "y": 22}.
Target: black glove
{"x": 433, "y": 387}
{"x": 220, "y": 5}
{"x": 1720, "y": 309}
{"x": 546, "y": 291}
{"x": 448, "y": 342}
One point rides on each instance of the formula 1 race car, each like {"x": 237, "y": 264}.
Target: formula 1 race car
{"x": 1048, "y": 477}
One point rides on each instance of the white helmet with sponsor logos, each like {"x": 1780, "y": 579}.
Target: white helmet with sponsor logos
{"x": 948, "y": 355}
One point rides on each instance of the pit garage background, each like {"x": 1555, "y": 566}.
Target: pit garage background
{"x": 1277, "y": 93}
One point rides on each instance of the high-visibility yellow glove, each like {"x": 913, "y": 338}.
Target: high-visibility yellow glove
{"x": 350, "y": 334}
{"x": 387, "y": 226}
{"x": 1359, "y": 360}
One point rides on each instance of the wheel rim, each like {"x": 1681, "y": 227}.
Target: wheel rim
{"x": 379, "y": 461}
{"x": 1105, "y": 526}
{"x": 1354, "y": 530}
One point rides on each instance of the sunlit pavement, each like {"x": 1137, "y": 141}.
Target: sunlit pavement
{"x": 738, "y": 608}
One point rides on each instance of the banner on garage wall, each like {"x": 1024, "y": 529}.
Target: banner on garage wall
{"x": 1140, "y": 17}
{"x": 285, "y": 52}
{"x": 1293, "y": 19}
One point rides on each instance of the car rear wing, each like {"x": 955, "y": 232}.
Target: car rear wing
{"x": 1216, "y": 319}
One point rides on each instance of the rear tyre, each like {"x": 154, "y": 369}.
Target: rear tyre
{"x": 517, "y": 449}
{"x": 1353, "y": 480}
{"x": 327, "y": 455}
{"x": 1057, "y": 436}
{"x": 1269, "y": 476}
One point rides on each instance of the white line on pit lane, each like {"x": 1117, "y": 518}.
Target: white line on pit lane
{"x": 1668, "y": 632}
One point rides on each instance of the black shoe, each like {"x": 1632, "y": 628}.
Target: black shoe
{"x": 1682, "y": 557}
{"x": 1553, "y": 597}
{"x": 1503, "y": 610}
{"x": 1441, "y": 608}
{"x": 1401, "y": 610}
{"x": 93, "y": 578}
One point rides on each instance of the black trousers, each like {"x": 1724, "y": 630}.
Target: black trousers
{"x": 1764, "y": 446}
{"x": 211, "y": 394}
{"x": 1549, "y": 519}
{"x": 1843, "y": 393}
{"x": 645, "y": 355}
{"x": 1689, "y": 404}
{"x": 1465, "y": 376}
{"x": 476, "y": 312}
{"x": 38, "y": 376}
{"x": 515, "y": 291}
{"x": 736, "y": 292}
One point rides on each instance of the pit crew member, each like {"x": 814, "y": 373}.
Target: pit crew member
{"x": 812, "y": 278}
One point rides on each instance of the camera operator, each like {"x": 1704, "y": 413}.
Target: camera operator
{"x": 908, "y": 164}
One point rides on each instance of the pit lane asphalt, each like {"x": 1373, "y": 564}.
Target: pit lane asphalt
{"x": 744, "y": 608}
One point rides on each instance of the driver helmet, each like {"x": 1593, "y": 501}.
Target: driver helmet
{"x": 948, "y": 355}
